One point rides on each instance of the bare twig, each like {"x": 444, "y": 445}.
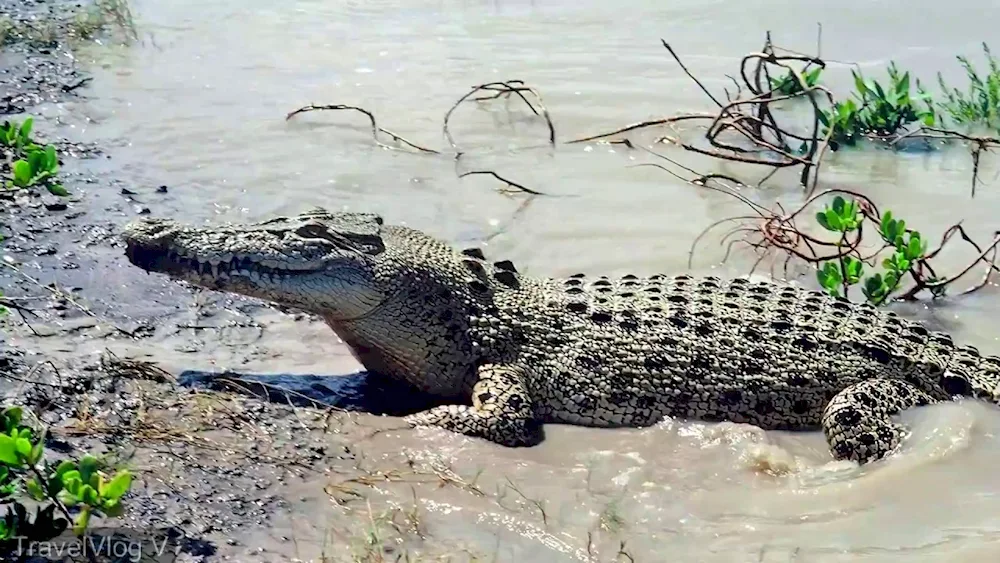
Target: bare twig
{"x": 641, "y": 125}
{"x": 505, "y": 87}
{"x": 688, "y": 72}
{"x": 371, "y": 117}
{"x": 510, "y": 183}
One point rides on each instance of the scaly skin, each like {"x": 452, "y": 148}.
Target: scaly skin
{"x": 511, "y": 352}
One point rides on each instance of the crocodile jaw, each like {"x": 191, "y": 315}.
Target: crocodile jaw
{"x": 294, "y": 273}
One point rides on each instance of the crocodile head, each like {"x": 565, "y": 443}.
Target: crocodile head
{"x": 318, "y": 261}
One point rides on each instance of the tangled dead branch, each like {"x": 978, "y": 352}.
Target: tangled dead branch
{"x": 759, "y": 139}
{"x": 502, "y": 89}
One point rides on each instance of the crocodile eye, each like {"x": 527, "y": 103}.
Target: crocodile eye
{"x": 314, "y": 231}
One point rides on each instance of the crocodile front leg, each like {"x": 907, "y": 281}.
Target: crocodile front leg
{"x": 501, "y": 411}
{"x": 858, "y": 421}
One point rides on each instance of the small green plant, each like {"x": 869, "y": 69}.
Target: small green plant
{"x": 81, "y": 485}
{"x": 17, "y": 137}
{"x": 880, "y": 111}
{"x": 836, "y": 277}
{"x": 787, "y": 85}
{"x": 34, "y": 165}
{"x": 981, "y": 104}
{"x": 39, "y": 168}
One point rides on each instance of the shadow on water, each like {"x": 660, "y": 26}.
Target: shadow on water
{"x": 361, "y": 391}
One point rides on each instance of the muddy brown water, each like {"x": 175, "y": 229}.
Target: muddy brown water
{"x": 201, "y": 104}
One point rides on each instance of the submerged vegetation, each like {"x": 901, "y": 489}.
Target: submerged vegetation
{"x": 980, "y": 103}
{"x": 879, "y": 111}
{"x": 886, "y": 111}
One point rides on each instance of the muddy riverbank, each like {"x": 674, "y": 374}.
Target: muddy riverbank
{"x": 225, "y": 476}
{"x": 187, "y": 120}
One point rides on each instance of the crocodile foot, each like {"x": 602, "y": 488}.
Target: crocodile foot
{"x": 501, "y": 410}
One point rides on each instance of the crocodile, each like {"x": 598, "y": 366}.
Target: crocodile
{"x": 507, "y": 353}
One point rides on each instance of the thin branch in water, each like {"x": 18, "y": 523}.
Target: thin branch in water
{"x": 640, "y": 125}
{"x": 499, "y": 88}
{"x": 514, "y": 216}
{"x": 688, "y": 72}
{"x": 511, "y": 184}
{"x": 371, "y": 117}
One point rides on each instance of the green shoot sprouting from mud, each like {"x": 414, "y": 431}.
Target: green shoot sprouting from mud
{"x": 32, "y": 164}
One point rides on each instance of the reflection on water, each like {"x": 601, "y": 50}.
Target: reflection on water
{"x": 202, "y": 103}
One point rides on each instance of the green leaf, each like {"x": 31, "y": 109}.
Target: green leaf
{"x": 81, "y": 522}
{"x": 71, "y": 481}
{"x": 8, "y": 451}
{"x": 117, "y": 486}
{"x": 891, "y": 279}
{"x": 821, "y": 219}
{"x": 57, "y": 189}
{"x": 915, "y": 249}
{"x": 89, "y": 495}
{"x": 835, "y": 221}
{"x": 12, "y": 418}
{"x": 25, "y": 132}
{"x": 22, "y": 173}
{"x": 838, "y": 205}
{"x": 51, "y": 160}
{"x": 113, "y": 508}
{"x": 65, "y": 467}
{"x": 36, "y": 159}
{"x": 37, "y": 451}
{"x": 88, "y": 466}
{"x": 23, "y": 446}
{"x": 859, "y": 83}
{"x": 854, "y": 268}
{"x": 67, "y": 499}
{"x": 829, "y": 277}
{"x": 886, "y": 220}
{"x": 34, "y": 489}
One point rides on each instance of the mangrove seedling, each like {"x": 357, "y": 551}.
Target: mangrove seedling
{"x": 17, "y": 136}
{"x": 836, "y": 277}
{"x": 981, "y": 104}
{"x": 787, "y": 85}
{"x": 59, "y": 487}
{"x": 880, "y": 111}
{"x": 39, "y": 168}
